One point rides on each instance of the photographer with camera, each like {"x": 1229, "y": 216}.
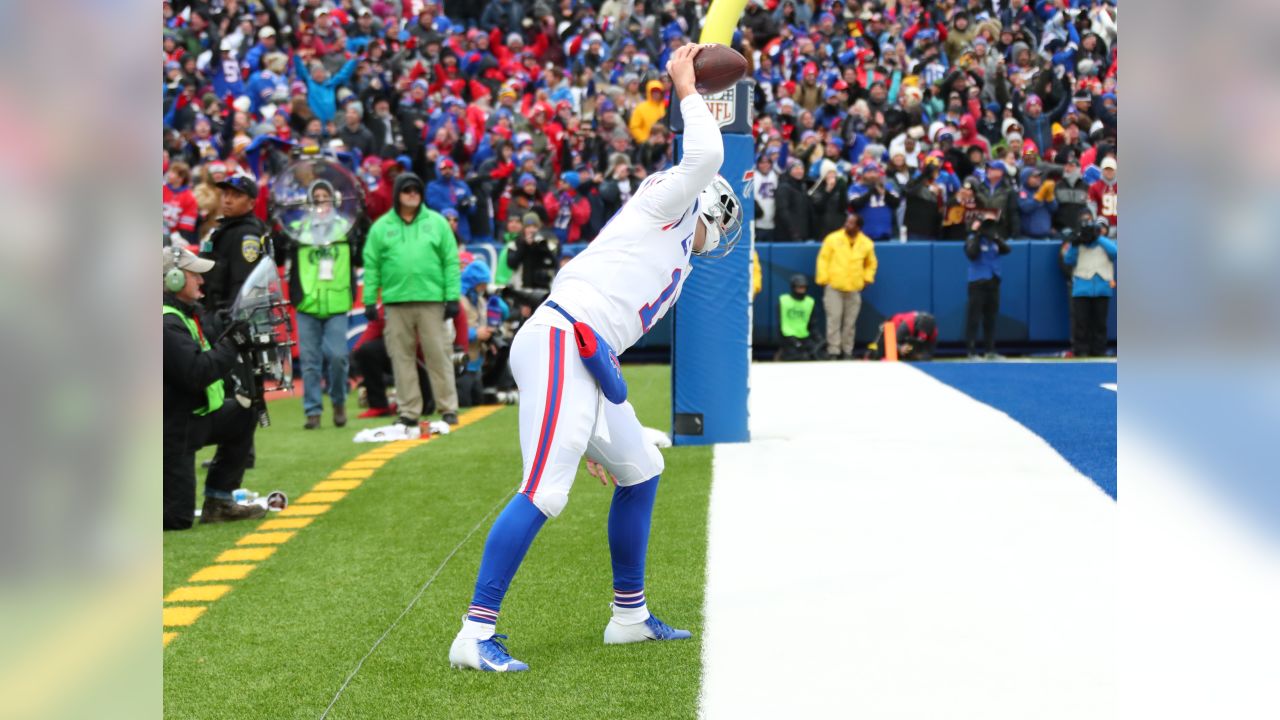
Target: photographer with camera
{"x": 1091, "y": 256}
{"x": 485, "y": 370}
{"x": 196, "y": 409}
{"x": 996, "y": 194}
{"x": 622, "y": 182}
{"x": 984, "y": 246}
{"x": 535, "y": 256}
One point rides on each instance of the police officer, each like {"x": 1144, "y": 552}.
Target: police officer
{"x": 196, "y": 409}
{"x": 238, "y": 243}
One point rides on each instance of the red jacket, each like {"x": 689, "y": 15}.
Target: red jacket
{"x": 378, "y": 202}
{"x": 568, "y": 220}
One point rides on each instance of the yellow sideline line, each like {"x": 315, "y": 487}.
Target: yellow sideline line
{"x": 261, "y": 543}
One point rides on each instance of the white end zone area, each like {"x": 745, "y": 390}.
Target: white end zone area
{"x": 888, "y": 547}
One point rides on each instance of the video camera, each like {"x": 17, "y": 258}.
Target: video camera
{"x": 261, "y": 310}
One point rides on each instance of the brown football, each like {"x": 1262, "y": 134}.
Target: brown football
{"x": 716, "y": 68}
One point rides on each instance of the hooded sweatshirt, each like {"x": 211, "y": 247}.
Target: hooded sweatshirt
{"x": 647, "y": 113}
{"x": 969, "y": 134}
{"x": 380, "y": 199}
{"x": 415, "y": 261}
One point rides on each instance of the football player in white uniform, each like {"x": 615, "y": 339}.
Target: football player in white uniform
{"x": 620, "y": 286}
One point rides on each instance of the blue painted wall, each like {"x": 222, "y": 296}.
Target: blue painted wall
{"x": 921, "y": 275}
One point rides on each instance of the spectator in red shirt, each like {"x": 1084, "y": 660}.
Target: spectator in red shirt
{"x": 179, "y": 205}
{"x": 1104, "y": 193}
{"x": 379, "y": 201}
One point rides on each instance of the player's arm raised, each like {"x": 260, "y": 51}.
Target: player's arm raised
{"x": 672, "y": 195}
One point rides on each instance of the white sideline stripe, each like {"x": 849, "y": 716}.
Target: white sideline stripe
{"x": 962, "y": 567}
{"x": 356, "y": 670}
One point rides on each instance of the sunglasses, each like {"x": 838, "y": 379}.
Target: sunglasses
{"x": 411, "y": 191}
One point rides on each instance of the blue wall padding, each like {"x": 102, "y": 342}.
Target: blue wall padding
{"x": 920, "y": 275}
{"x": 1049, "y": 298}
{"x": 951, "y": 292}
{"x": 711, "y": 354}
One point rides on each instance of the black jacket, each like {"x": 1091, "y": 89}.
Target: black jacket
{"x": 380, "y": 128}
{"x": 1002, "y": 197}
{"x": 188, "y": 370}
{"x": 830, "y": 207}
{"x": 793, "y": 214}
{"x": 361, "y": 139}
{"x": 1072, "y": 198}
{"x": 238, "y": 244}
{"x": 922, "y": 216}
{"x": 611, "y": 194}
{"x": 537, "y": 262}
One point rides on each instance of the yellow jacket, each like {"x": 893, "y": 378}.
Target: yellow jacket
{"x": 846, "y": 265}
{"x": 647, "y": 113}
{"x": 756, "y": 280}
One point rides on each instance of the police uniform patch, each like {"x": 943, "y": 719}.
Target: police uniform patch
{"x": 251, "y": 248}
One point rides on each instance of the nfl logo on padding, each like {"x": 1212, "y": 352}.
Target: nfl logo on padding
{"x": 723, "y": 106}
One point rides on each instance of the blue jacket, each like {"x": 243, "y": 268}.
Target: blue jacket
{"x": 253, "y": 59}
{"x": 322, "y": 96}
{"x": 224, "y": 69}
{"x": 984, "y": 253}
{"x": 877, "y": 213}
{"x": 262, "y": 86}
{"x": 443, "y": 194}
{"x": 1036, "y": 216}
{"x": 1094, "y": 286}
{"x": 1040, "y": 128}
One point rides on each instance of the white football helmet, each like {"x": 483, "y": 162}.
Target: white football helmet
{"x": 720, "y": 212}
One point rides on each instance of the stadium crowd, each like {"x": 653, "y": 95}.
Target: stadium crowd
{"x": 529, "y": 123}
{"x": 915, "y": 115}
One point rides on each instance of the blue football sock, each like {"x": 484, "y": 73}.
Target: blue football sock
{"x": 509, "y": 539}
{"x": 630, "y": 514}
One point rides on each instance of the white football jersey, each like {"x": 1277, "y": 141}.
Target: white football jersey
{"x": 631, "y": 274}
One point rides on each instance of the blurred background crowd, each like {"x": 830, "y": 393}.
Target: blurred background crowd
{"x": 919, "y": 116}
{"x": 526, "y": 124}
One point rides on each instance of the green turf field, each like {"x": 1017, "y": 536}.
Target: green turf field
{"x": 283, "y": 641}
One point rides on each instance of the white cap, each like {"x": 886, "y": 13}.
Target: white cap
{"x": 266, "y": 32}
{"x": 185, "y": 260}
{"x": 1108, "y": 163}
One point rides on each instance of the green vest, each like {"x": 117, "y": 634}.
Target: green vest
{"x": 323, "y": 298}
{"x": 795, "y": 315}
{"x": 215, "y": 393}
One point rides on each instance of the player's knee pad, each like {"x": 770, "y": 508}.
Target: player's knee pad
{"x": 550, "y": 501}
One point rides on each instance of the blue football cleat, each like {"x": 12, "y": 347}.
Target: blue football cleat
{"x": 615, "y": 633}
{"x": 487, "y": 655}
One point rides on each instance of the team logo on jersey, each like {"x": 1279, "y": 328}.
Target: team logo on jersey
{"x": 251, "y": 248}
